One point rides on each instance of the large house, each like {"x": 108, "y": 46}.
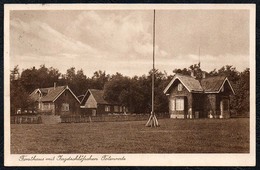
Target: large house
{"x": 56, "y": 100}
{"x": 190, "y": 97}
{"x": 93, "y": 104}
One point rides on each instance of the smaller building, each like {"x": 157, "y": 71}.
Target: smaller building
{"x": 93, "y": 104}
{"x": 191, "y": 97}
{"x": 54, "y": 100}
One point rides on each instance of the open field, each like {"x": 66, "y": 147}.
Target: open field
{"x": 173, "y": 136}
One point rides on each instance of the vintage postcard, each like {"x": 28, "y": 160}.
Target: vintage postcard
{"x": 129, "y": 85}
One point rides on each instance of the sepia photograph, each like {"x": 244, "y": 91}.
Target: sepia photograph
{"x": 129, "y": 85}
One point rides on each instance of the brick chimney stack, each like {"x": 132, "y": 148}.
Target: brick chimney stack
{"x": 192, "y": 74}
{"x": 203, "y": 75}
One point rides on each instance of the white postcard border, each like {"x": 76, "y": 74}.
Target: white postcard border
{"x": 204, "y": 159}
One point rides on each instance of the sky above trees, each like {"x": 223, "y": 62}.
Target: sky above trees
{"x": 121, "y": 40}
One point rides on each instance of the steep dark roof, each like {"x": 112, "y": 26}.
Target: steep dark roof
{"x": 49, "y": 94}
{"x": 212, "y": 84}
{"x": 98, "y": 96}
{"x": 191, "y": 83}
{"x": 207, "y": 85}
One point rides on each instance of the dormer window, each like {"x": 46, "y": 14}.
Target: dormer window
{"x": 180, "y": 87}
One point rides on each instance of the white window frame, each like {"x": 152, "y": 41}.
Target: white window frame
{"x": 180, "y": 87}
{"x": 107, "y": 108}
{"x": 65, "y": 107}
{"x": 179, "y": 104}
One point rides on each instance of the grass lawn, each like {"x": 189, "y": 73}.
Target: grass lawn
{"x": 173, "y": 136}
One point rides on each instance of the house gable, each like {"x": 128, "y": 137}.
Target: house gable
{"x": 66, "y": 103}
{"x": 191, "y": 84}
{"x": 215, "y": 84}
{"x": 90, "y": 102}
{"x": 66, "y": 89}
{"x": 178, "y": 88}
{"x": 226, "y": 87}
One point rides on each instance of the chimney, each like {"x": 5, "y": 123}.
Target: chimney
{"x": 54, "y": 85}
{"x": 203, "y": 75}
{"x": 192, "y": 74}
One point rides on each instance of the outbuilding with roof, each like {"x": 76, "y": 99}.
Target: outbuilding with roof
{"x": 56, "y": 100}
{"x": 191, "y": 97}
{"x": 93, "y": 104}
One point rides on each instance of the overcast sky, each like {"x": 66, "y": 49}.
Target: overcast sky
{"x": 121, "y": 41}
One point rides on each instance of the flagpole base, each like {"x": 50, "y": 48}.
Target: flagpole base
{"x": 152, "y": 121}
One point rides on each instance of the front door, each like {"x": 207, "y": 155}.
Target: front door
{"x": 224, "y": 108}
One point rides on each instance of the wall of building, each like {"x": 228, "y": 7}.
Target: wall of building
{"x": 210, "y": 104}
{"x": 91, "y": 102}
{"x": 198, "y": 110}
{"x": 174, "y": 93}
{"x": 67, "y": 97}
{"x": 102, "y": 111}
{"x": 46, "y": 107}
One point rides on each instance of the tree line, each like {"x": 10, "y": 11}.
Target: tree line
{"x": 133, "y": 92}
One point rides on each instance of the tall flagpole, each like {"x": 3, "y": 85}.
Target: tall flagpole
{"x": 153, "y": 122}
{"x": 153, "y": 62}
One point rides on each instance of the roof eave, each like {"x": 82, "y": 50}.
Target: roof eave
{"x": 195, "y": 91}
{"x": 172, "y": 81}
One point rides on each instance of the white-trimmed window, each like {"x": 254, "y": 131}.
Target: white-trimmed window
{"x": 107, "y": 108}
{"x": 65, "y": 107}
{"x": 121, "y": 109}
{"x": 180, "y": 87}
{"x": 46, "y": 106}
{"x": 179, "y": 104}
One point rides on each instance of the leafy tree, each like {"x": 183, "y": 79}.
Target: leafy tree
{"x": 30, "y": 79}
{"x": 99, "y": 79}
{"x": 117, "y": 88}
{"x": 184, "y": 71}
{"x": 71, "y": 74}
{"x": 230, "y": 72}
{"x": 241, "y": 101}
{"x": 19, "y": 98}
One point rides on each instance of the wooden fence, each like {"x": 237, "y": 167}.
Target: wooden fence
{"x": 34, "y": 119}
{"x": 26, "y": 119}
{"x": 108, "y": 118}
